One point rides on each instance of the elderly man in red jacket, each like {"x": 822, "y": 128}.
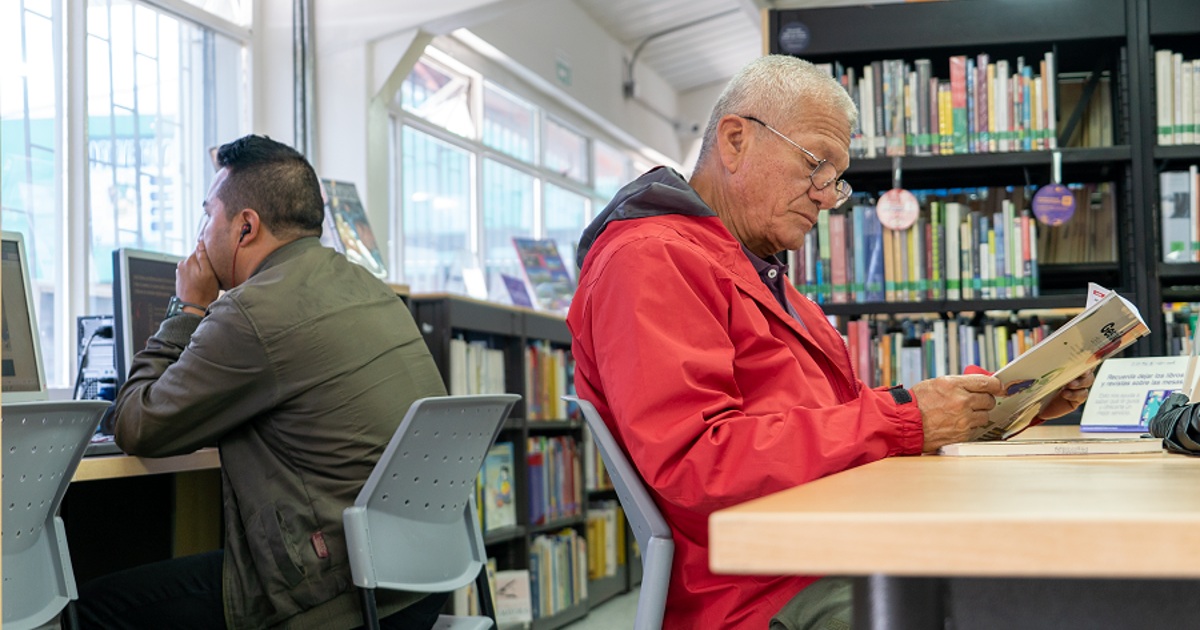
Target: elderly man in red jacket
{"x": 720, "y": 381}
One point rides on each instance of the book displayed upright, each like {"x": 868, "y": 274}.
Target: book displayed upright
{"x": 499, "y": 483}
{"x": 549, "y": 281}
{"x": 355, "y": 238}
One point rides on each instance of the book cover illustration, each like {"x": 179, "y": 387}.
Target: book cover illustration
{"x": 354, "y": 233}
{"x": 499, "y": 502}
{"x": 552, "y": 285}
{"x": 1031, "y": 380}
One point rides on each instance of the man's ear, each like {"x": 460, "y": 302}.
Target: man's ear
{"x": 733, "y": 139}
{"x": 251, "y": 226}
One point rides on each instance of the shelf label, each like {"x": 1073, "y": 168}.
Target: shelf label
{"x": 1053, "y": 204}
{"x": 897, "y": 209}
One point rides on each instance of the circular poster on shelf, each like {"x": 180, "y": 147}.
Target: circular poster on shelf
{"x": 897, "y": 209}
{"x": 793, "y": 38}
{"x": 1053, "y": 204}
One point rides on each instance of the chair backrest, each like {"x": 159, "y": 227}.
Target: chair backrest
{"x": 649, "y": 527}
{"x": 43, "y": 443}
{"x": 414, "y": 526}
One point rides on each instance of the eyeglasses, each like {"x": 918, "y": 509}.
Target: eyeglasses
{"x": 823, "y": 175}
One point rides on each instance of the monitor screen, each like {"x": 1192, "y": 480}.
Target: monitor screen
{"x": 24, "y": 378}
{"x": 143, "y": 283}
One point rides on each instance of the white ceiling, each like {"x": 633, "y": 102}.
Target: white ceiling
{"x": 689, "y": 43}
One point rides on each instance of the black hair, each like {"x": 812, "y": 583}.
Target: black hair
{"x": 276, "y": 181}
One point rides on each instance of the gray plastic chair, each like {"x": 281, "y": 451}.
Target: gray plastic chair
{"x": 414, "y": 526}
{"x": 649, "y": 527}
{"x": 43, "y": 443}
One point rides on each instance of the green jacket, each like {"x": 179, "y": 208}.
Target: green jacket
{"x": 301, "y": 376}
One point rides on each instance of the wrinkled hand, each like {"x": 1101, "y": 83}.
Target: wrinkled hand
{"x": 952, "y": 407}
{"x": 1069, "y": 397}
{"x": 195, "y": 280}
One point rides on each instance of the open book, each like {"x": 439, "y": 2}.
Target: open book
{"x": 1031, "y": 380}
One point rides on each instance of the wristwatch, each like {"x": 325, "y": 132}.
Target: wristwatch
{"x": 176, "y": 306}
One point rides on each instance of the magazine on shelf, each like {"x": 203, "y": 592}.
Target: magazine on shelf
{"x": 1105, "y": 327}
{"x": 355, "y": 238}
{"x": 550, "y": 283}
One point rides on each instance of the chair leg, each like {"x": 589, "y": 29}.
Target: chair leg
{"x": 370, "y": 612}
{"x": 485, "y": 596}
{"x": 70, "y": 617}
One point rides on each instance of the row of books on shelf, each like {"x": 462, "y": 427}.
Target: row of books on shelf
{"x": 475, "y": 368}
{"x": 976, "y": 105}
{"x": 911, "y": 350}
{"x": 606, "y": 539}
{"x": 555, "y": 478}
{"x": 1177, "y": 86}
{"x": 549, "y": 372}
{"x": 1179, "y": 204}
{"x": 558, "y": 572}
{"x": 949, "y": 253}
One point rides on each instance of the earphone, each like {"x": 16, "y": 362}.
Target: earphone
{"x": 245, "y": 231}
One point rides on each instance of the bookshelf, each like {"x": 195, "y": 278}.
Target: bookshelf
{"x": 445, "y": 322}
{"x": 1107, "y": 42}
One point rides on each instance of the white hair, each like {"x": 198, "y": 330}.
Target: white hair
{"x": 776, "y": 88}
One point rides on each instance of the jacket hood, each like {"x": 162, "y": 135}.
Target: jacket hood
{"x": 659, "y": 192}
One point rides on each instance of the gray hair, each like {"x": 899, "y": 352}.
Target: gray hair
{"x": 776, "y": 88}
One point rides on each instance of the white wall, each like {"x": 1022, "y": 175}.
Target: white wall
{"x": 540, "y": 35}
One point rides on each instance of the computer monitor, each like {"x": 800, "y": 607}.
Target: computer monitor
{"x": 143, "y": 283}
{"x": 24, "y": 377}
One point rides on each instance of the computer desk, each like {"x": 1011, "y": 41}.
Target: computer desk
{"x": 122, "y": 511}
{"x": 898, "y": 521}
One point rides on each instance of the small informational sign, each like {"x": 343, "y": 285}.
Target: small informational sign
{"x": 897, "y": 209}
{"x": 1053, "y": 204}
{"x": 1128, "y": 392}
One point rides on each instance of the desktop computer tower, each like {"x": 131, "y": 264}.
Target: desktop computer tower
{"x": 96, "y": 362}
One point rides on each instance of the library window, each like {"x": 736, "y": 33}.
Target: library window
{"x": 29, "y": 153}
{"x": 158, "y": 91}
{"x": 470, "y": 179}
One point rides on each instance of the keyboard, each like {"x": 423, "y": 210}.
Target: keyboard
{"x": 102, "y": 444}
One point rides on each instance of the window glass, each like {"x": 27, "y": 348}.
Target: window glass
{"x": 566, "y": 152}
{"x": 508, "y": 207}
{"x": 161, "y": 91}
{"x": 612, "y": 170}
{"x": 440, "y": 95}
{"x": 29, "y": 202}
{"x": 435, "y": 212}
{"x": 508, "y": 123}
{"x": 566, "y": 216}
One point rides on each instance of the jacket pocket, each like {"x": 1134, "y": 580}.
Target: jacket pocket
{"x": 273, "y": 549}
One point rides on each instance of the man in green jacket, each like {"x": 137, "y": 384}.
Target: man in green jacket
{"x": 300, "y": 373}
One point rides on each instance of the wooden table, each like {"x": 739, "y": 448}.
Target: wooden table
{"x": 117, "y": 466}
{"x": 1095, "y": 516}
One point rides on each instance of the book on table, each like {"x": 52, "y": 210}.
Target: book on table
{"x": 1109, "y": 324}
